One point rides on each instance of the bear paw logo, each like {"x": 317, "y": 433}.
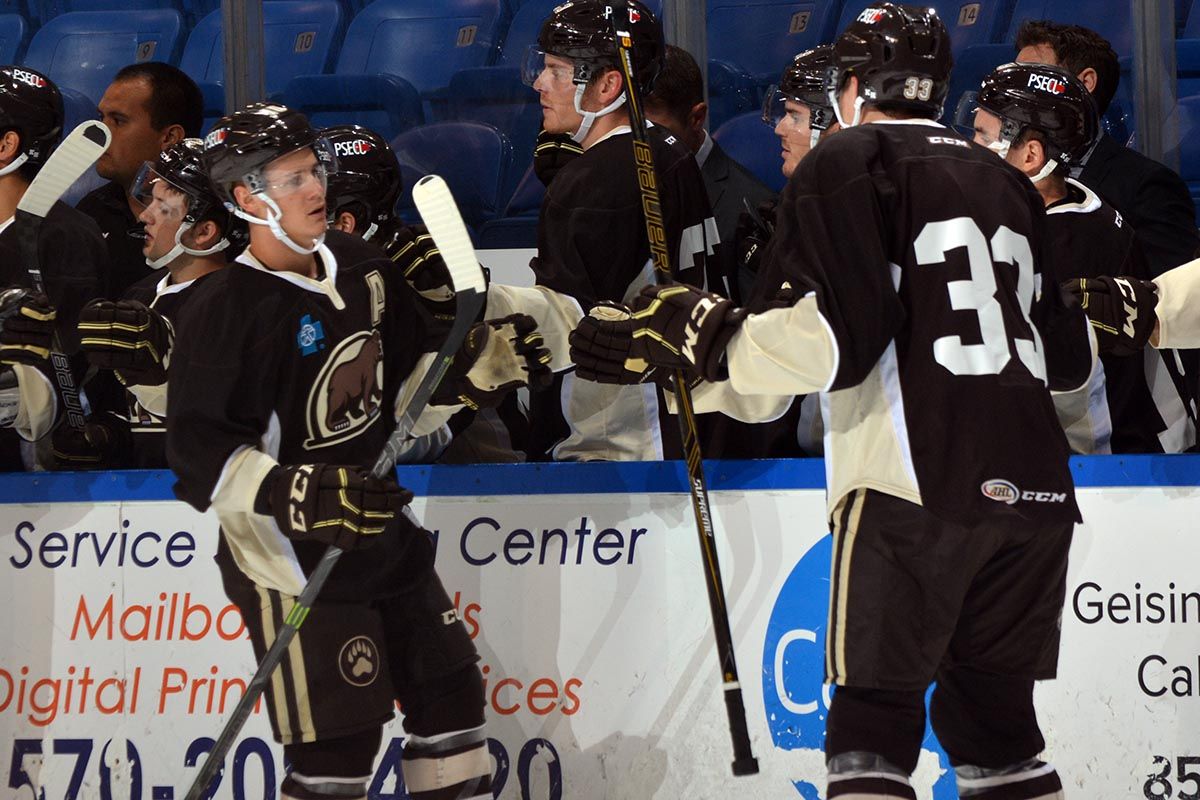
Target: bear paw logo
{"x": 359, "y": 661}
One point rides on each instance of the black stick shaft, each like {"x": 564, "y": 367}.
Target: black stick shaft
{"x": 744, "y": 762}
{"x": 469, "y": 303}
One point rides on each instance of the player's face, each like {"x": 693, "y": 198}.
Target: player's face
{"x": 795, "y": 135}
{"x": 162, "y": 217}
{"x": 296, "y": 182}
{"x": 125, "y": 109}
{"x": 556, "y": 92}
{"x": 987, "y": 133}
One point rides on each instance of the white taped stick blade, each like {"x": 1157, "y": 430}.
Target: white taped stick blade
{"x": 67, "y": 164}
{"x": 436, "y": 205}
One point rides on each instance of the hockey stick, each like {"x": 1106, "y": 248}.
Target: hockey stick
{"x": 441, "y": 217}
{"x": 73, "y": 157}
{"x": 744, "y": 762}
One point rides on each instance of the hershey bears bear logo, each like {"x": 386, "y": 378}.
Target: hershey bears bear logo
{"x": 347, "y": 394}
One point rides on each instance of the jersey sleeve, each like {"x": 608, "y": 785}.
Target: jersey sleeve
{"x": 1178, "y": 301}
{"x": 219, "y": 399}
{"x": 1068, "y": 342}
{"x": 831, "y": 244}
{"x": 74, "y": 261}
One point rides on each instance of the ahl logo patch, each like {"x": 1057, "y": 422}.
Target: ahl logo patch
{"x": 1000, "y": 490}
{"x": 359, "y": 661}
{"x": 310, "y": 336}
{"x": 871, "y": 16}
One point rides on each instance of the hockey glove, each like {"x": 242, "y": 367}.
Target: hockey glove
{"x": 103, "y": 443}
{"x": 754, "y": 230}
{"x": 601, "y": 345}
{"x": 127, "y": 337}
{"x": 340, "y": 506}
{"x": 26, "y": 327}
{"x": 413, "y": 250}
{"x": 681, "y": 327}
{"x": 497, "y": 356}
{"x": 1121, "y": 311}
{"x": 551, "y": 153}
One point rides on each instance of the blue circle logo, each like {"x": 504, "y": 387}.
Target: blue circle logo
{"x": 795, "y": 697}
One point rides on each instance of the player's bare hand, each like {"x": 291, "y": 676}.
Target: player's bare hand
{"x": 1121, "y": 311}
{"x": 26, "y": 327}
{"x": 498, "y": 355}
{"x": 338, "y": 505}
{"x": 127, "y": 337}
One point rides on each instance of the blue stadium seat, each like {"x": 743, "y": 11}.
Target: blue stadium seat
{"x": 47, "y": 9}
{"x": 730, "y": 92}
{"x": 970, "y": 23}
{"x": 214, "y": 104}
{"x": 1189, "y": 146}
{"x": 14, "y": 31}
{"x": 518, "y": 227}
{"x": 474, "y": 159}
{"x": 1112, "y": 19}
{"x": 755, "y": 146}
{"x": 386, "y": 104}
{"x": 83, "y": 50}
{"x": 970, "y": 69}
{"x": 762, "y": 36}
{"x": 300, "y": 37}
{"x": 496, "y": 96}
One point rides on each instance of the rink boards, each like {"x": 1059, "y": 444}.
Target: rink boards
{"x": 582, "y": 587}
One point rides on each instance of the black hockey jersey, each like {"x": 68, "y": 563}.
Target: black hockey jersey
{"x": 277, "y": 367}
{"x": 925, "y": 255}
{"x": 73, "y": 262}
{"x": 1148, "y": 399}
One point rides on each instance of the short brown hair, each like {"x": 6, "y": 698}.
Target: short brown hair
{"x": 1076, "y": 48}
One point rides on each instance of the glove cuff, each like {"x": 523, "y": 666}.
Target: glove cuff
{"x": 714, "y": 367}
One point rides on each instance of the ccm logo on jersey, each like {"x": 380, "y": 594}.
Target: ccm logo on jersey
{"x": 1047, "y": 83}
{"x": 871, "y": 16}
{"x": 28, "y": 78}
{"x": 948, "y": 140}
{"x": 359, "y": 147}
{"x": 1003, "y": 491}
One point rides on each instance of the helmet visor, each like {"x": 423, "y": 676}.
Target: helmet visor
{"x": 774, "y": 106}
{"x": 286, "y": 176}
{"x": 964, "y": 114}
{"x": 557, "y": 73}
{"x": 152, "y": 189}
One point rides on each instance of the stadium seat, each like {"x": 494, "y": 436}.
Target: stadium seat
{"x": 518, "y": 227}
{"x": 762, "y": 36}
{"x": 474, "y": 159}
{"x": 386, "y": 104}
{"x": 1112, "y": 19}
{"x": 751, "y": 143}
{"x": 83, "y": 50}
{"x": 14, "y": 31}
{"x": 730, "y": 92}
{"x": 299, "y": 38}
{"x": 970, "y": 69}
{"x": 970, "y": 23}
{"x": 1189, "y": 146}
{"x": 48, "y": 9}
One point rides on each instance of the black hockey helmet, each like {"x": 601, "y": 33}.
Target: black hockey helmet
{"x": 1044, "y": 98}
{"x": 241, "y": 144}
{"x": 900, "y": 55}
{"x": 803, "y": 82}
{"x": 582, "y": 30}
{"x": 31, "y": 105}
{"x": 368, "y": 181}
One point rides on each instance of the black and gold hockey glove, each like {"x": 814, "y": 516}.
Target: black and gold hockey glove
{"x": 601, "y": 347}
{"x": 551, "y": 153}
{"x": 754, "y": 230}
{"x": 413, "y": 250}
{"x": 497, "y": 356}
{"x": 129, "y": 338}
{"x": 104, "y": 442}
{"x": 1121, "y": 311}
{"x": 26, "y": 327}
{"x": 338, "y": 505}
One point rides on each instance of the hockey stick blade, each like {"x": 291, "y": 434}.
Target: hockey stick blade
{"x": 73, "y": 157}
{"x": 466, "y": 279}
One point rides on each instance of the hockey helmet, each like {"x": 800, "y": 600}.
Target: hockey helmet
{"x": 181, "y": 167}
{"x": 31, "y": 105}
{"x": 368, "y": 181}
{"x": 803, "y": 82}
{"x": 1046, "y": 99}
{"x": 899, "y": 54}
{"x": 582, "y": 31}
{"x": 242, "y": 144}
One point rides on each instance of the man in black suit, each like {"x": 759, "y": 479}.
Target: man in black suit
{"x": 677, "y": 104}
{"x": 1152, "y": 197}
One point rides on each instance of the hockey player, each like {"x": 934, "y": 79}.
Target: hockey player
{"x": 285, "y": 372}
{"x": 1128, "y": 313}
{"x": 950, "y": 496}
{"x": 70, "y": 248}
{"x": 592, "y": 242}
{"x": 187, "y": 232}
{"x": 1042, "y": 120}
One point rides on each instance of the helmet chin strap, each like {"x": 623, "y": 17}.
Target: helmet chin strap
{"x": 814, "y": 136}
{"x": 590, "y": 117}
{"x": 837, "y": 110}
{"x": 15, "y": 165}
{"x": 180, "y": 248}
{"x": 371, "y": 231}
{"x": 1044, "y": 172}
{"x": 272, "y": 222}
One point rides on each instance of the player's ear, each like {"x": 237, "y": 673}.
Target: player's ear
{"x": 171, "y": 135}
{"x": 1035, "y": 155}
{"x": 10, "y": 146}
{"x": 344, "y": 222}
{"x": 205, "y": 234}
{"x": 612, "y": 83}
{"x": 1089, "y": 79}
{"x": 697, "y": 116}
{"x": 246, "y": 200}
